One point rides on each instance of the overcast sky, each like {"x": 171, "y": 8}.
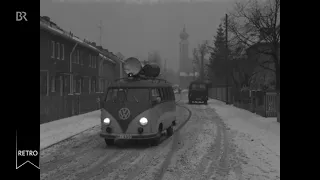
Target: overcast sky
{"x": 134, "y": 29}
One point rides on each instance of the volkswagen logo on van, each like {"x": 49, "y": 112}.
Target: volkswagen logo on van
{"x": 124, "y": 113}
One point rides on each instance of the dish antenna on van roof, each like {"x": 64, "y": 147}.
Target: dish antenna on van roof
{"x": 132, "y": 66}
{"x": 151, "y": 70}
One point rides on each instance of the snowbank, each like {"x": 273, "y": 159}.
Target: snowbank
{"x": 265, "y": 129}
{"x": 257, "y": 137}
{"x": 56, "y": 131}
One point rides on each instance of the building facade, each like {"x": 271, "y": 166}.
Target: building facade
{"x": 74, "y": 73}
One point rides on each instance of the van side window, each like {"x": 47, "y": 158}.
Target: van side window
{"x": 161, "y": 94}
{"x": 166, "y": 95}
{"x": 172, "y": 97}
{"x": 155, "y": 93}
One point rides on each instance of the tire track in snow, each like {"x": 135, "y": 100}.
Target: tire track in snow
{"x": 205, "y": 148}
{"x": 195, "y": 139}
{"x": 166, "y": 162}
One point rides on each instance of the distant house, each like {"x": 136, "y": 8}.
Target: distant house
{"x": 259, "y": 54}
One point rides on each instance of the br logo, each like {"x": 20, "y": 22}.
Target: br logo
{"x": 21, "y": 15}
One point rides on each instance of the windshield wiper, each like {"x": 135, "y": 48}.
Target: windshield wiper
{"x": 135, "y": 98}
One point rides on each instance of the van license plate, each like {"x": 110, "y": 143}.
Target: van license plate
{"x": 125, "y": 136}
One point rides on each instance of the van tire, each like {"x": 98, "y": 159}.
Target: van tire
{"x": 170, "y": 131}
{"x": 190, "y": 102}
{"x": 109, "y": 142}
{"x": 174, "y": 123}
{"x": 156, "y": 140}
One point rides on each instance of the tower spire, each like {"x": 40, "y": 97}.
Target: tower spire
{"x": 183, "y": 34}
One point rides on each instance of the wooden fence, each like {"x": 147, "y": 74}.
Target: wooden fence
{"x": 266, "y": 104}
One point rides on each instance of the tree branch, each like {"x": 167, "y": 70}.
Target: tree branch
{"x": 267, "y": 68}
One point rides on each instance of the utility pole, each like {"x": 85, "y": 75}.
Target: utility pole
{"x": 227, "y": 76}
{"x": 100, "y": 32}
{"x": 194, "y": 72}
{"x": 202, "y": 54}
{"x": 165, "y": 68}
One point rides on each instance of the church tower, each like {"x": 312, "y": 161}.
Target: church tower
{"x": 184, "y": 52}
{"x": 185, "y": 68}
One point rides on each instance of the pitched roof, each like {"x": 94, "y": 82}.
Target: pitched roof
{"x": 54, "y": 29}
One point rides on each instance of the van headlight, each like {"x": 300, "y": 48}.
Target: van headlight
{"x": 143, "y": 121}
{"x": 106, "y": 121}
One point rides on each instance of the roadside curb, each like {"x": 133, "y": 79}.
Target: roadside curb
{"x": 66, "y": 122}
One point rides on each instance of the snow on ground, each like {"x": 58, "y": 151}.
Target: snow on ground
{"x": 56, "y": 131}
{"x": 256, "y": 136}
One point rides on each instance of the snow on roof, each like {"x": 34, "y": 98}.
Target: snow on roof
{"x": 70, "y": 36}
{"x": 77, "y": 39}
{"x": 106, "y": 58}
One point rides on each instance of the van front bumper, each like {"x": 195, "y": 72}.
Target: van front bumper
{"x": 134, "y": 136}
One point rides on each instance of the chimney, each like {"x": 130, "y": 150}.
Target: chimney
{"x": 99, "y": 47}
{"x": 94, "y": 44}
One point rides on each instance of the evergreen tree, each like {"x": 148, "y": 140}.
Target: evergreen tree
{"x": 217, "y": 60}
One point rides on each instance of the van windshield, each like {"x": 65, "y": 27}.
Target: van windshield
{"x": 198, "y": 87}
{"x": 128, "y": 94}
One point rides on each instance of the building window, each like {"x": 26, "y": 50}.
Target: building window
{"x": 43, "y": 84}
{"x": 66, "y": 82}
{"x": 89, "y": 89}
{"x": 58, "y": 50}
{"x": 94, "y": 62}
{"x": 53, "y": 83}
{"x": 97, "y": 61}
{"x": 78, "y": 85}
{"x": 62, "y": 51}
{"x": 74, "y": 85}
{"x": 90, "y": 60}
{"x": 52, "y": 49}
{"x": 93, "y": 85}
{"x": 74, "y": 58}
{"x": 82, "y": 85}
{"x": 78, "y": 57}
{"x": 81, "y": 58}
{"x": 106, "y": 84}
{"x": 101, "y": 85}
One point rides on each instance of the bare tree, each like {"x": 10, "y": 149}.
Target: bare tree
{"x": 195, "y": 54}
{"x": 203, "y": 50}
{"x": 256, "y": 24}
{"x": 195, "y": 61}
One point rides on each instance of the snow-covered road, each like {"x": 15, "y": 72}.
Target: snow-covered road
{"x": 207, "y": 146}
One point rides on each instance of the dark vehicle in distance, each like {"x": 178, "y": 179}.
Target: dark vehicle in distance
{"x": 198, "y": 92}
